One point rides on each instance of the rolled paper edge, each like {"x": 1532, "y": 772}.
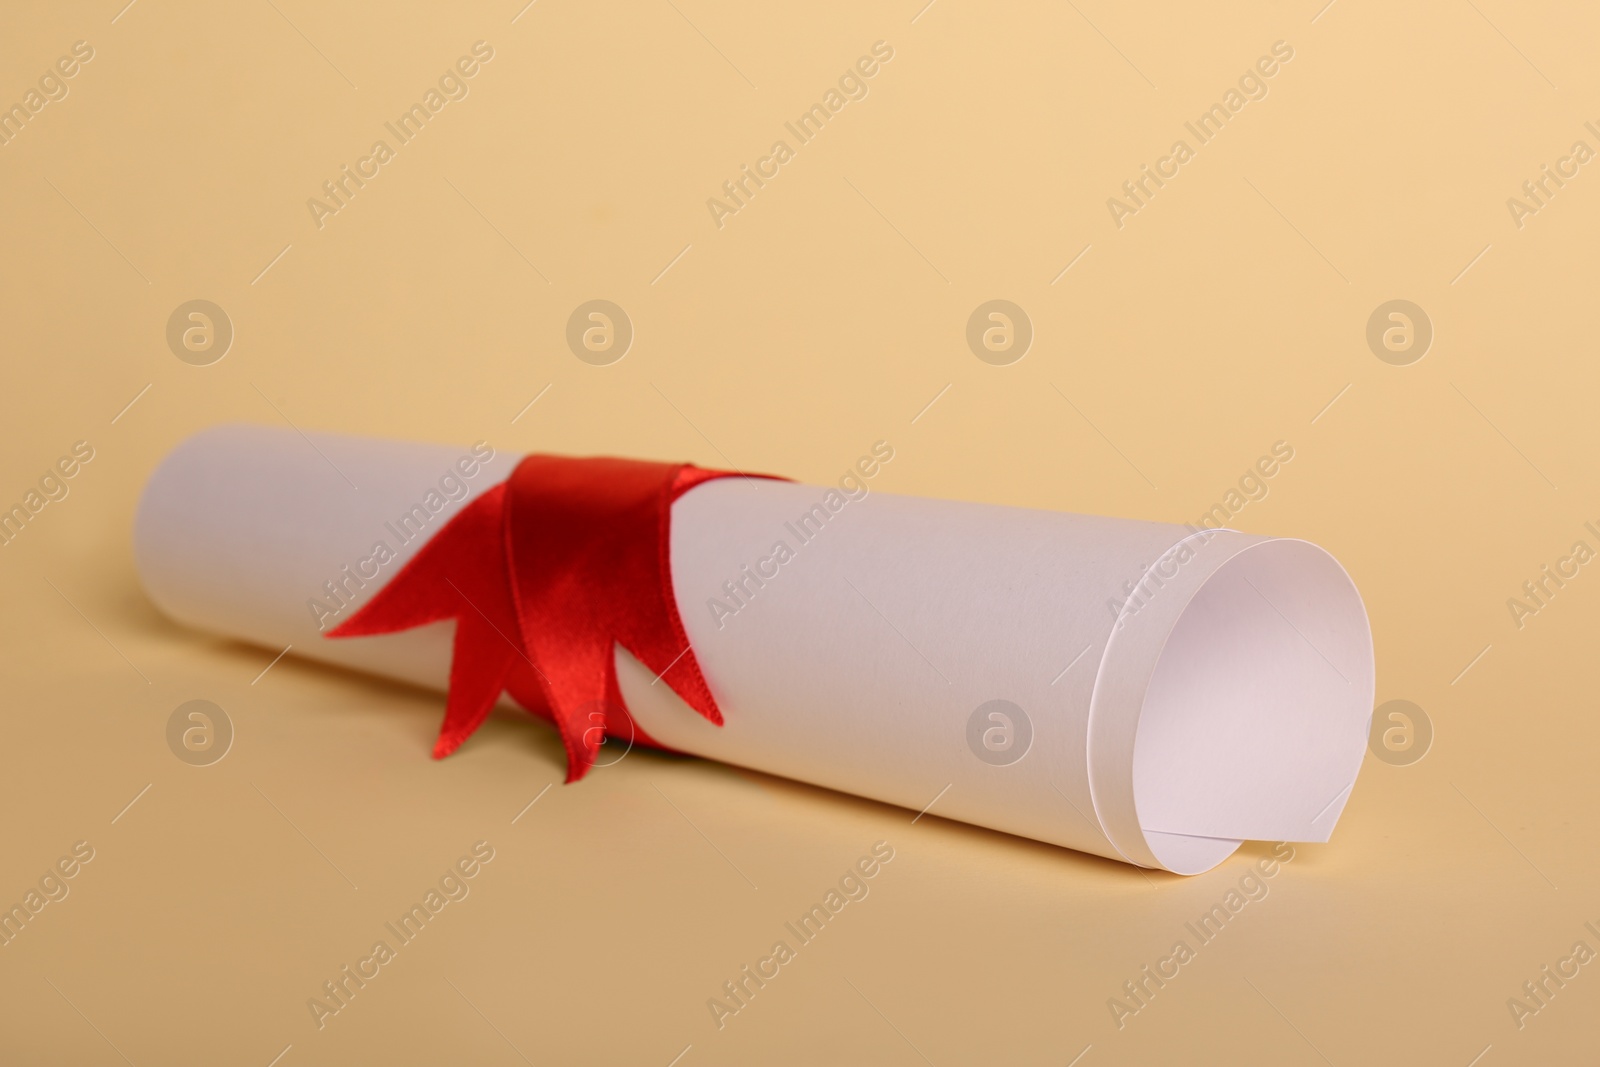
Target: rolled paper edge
{"x": 1118, "y": 707}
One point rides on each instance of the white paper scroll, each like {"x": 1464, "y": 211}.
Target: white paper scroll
{"x": 1131, "y": 689}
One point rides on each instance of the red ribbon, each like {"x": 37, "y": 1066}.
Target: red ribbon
{"x": 544, "y": 574}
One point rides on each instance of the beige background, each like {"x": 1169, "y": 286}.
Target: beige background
{"x": 1223, "y": 317}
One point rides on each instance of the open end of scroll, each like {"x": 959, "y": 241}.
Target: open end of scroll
{"x": 1255, "y": 720}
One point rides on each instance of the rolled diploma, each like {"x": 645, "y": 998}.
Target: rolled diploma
{"x": 1229, "y": 698}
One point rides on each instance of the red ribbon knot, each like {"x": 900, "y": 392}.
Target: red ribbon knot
{"x": 545, "y": 574}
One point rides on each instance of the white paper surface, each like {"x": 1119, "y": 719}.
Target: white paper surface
{"x": 1230, "y": 700}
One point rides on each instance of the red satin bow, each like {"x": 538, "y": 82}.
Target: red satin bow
{"x": 544, "y": 574}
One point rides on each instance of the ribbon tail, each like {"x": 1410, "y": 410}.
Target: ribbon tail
{"x": 576, "y": 689}
{"x": 427, "y": 590}
{"x": 479, "y": 667}
{"x": 682, "y": 674}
